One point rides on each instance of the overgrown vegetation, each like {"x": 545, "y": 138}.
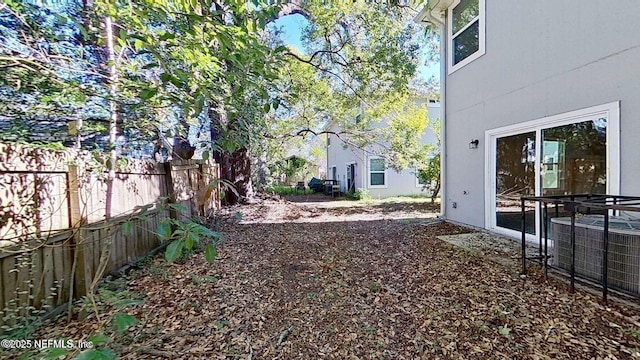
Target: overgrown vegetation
{"x": 360, "y": 194}
{"x": 184, "y": 237}
{"x": 429, "y": 170}
{"x": 108, "y": 309}
{"x": 288, "y": 190}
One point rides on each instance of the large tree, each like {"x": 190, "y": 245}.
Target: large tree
{"x": 203, "y": 65}
{"x": 208, "y": 71}
{"x": 354, "y": 69}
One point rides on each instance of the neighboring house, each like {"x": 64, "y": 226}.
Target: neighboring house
{"x": 539, "y": 98}
{"x": 357, "y": 168}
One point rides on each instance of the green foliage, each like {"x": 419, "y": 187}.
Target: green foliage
{"x": 505, "y": 331}
{"x": 49, "y": 72}
{"x": 403, "y": 136}
{"x": 358, "y": 59}
{"x": 294, "y": 168}
{"x": 127, "y": 228}
{"x": 186, "y": 236}
{"x": 287, "y": 190}
{"x": 210, "y": 253}
{"x": 360, "y": 194}
{"x": 164, "y": 231}
{"x": 122, "y": 321}
{"x": 111, "y": 295}
{"x": 174, "y": 250}
{"x": 203, "y": 61}
{"x": 429, "y": 172}
{"x": 373, "y": 48}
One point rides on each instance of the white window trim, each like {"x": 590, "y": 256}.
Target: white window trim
{"x": 610, "y": 110}
{"x": 386, "y": 178}
{"x": 451, "y": 68}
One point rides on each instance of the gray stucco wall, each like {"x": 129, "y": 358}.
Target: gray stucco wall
{"x": 542, "y": 58}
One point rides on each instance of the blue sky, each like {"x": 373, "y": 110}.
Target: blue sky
{"x": 292, "y": 30}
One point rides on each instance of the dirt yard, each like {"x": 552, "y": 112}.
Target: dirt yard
{"x": 314, "y": 279}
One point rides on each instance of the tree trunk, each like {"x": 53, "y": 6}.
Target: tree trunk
{"x": 235, "y": 167}
{"x": 436, "y": 191}
{"x": 235, "y": 170}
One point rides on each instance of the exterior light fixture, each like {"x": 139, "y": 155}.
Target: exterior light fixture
{"x": 474, "y": 144}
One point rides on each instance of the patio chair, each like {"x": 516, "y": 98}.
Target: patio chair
{"x": 300, "y": 186}
{"x": 335, "y": 190}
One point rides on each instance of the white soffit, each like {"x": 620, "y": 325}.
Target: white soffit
{"x": 433, "y": 8}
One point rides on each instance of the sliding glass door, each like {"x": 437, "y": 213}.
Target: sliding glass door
{"x": 574, "y": 153}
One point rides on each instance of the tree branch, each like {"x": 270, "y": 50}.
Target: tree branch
{"x": 319, "y": 68}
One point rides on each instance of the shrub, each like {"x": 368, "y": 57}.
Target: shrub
{"x": 360, "y": 194}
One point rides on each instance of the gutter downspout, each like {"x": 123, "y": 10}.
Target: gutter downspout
{"x": 443, "y": 122}
{"x": 434, "y": 19}
{"x": 326, "y": 172}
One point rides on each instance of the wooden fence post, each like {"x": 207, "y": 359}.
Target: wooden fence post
{"x": 171, "y": 191}
{"x": 202, "y": 187}
{"x": 219, "y": 188}
{"x": 79, "y": 281}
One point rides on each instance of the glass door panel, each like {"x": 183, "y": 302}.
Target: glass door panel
{"x": 515, "y": 177}
{"x": 574, "y": 158}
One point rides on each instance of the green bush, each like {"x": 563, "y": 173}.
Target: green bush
{"x": 360, "y": 194}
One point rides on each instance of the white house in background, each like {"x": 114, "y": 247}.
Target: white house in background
{"x": 357, "y": 168}
{"x": 550, "y": 89}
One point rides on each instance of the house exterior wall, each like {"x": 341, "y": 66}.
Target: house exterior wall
{"x": 339, "y": 154}
{"x": 542, "y": 58}
{"x": 404, "y": 182}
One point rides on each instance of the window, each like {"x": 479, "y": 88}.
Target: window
{"x": 466, "y": 32}
{"x": 377, "y": 173}
{"x": 419, "y": 182}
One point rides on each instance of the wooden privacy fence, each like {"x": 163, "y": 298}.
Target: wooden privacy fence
{"x": 53, "y": 230}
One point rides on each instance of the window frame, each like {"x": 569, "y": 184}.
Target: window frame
{"x": 384, "y": 173}
{"x": 451, "y": 67}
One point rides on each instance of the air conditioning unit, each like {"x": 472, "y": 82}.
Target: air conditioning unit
{"x": 624, "y": 249}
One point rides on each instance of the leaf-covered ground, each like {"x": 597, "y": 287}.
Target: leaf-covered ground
{"x": 359, "y": 281}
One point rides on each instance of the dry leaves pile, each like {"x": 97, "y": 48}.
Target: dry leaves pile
{"x": 375, "y": 287}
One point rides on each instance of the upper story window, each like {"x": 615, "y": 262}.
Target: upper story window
{"x": 466, "y": 32}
